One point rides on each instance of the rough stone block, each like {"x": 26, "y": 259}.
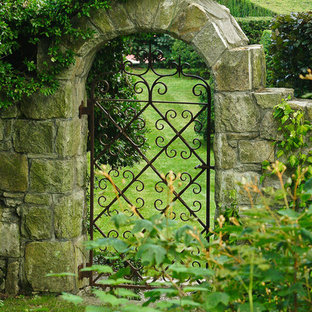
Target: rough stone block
{"x": 12, "y": 279}
{"x": 256, "y": 151}
{"x": 165, "y": 13}
{"x": 189, "y": 20}
{"x": 38, "y": 199}
{"x": 102, "y": 29}
{"x": 258, "y": 66}
{"x": 68, "y": 138}
{"x": 3, "y": 270}
{"x": 5, "y": 129}
{"x": 5, "y": 146}
{"x": 270, "y": 97}
{"x": 82, "y": 256}
{"x": 229, "y": 181}
{"x": 13, "y": 172}
{"x": 9, "y": 112}
{"x": 38, "y": 222}
{"x": 118, "y": 17}
{"x": 34, "y": 137}
{"x": 81, "y": 170}
{"x": 58, "y": 105}
{"x": 240, "y": 69}
{"x": 236, "y": 112}
{"x": 303, "y": 104}
{"x": 8, "y": 215}
{"x": 225, "y": 155}
{"x": 51, "y": 176}
{"x": 10, "y": 240}
{"x": 269, "y": 127}
{"x": 42, "y": 258}
{"x": 232, "y": 65}
{"x": 142, "y": 13}
{"x": 209, "y": 43}
{"x": 68, "y": 212}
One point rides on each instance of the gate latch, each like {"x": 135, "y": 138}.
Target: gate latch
{"x": 84, "y": 274}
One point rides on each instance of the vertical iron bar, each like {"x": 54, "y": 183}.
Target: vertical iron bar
{"x": 208, "y": 130}
{"x": 91, "y": 120}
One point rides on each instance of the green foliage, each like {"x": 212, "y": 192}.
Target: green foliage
{"x": 253, "y": 27}
{"x": 244, "y": 8}
{"x": 294, "y": 148}
{"x": 121, "y": 86}
{"x": 23, "y": 24}
{"x": 266, "y": 41}
{"x": 291, "y": 51}
{"x": 262, "y": 262}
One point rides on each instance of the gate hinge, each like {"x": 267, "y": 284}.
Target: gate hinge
{"x": 84, "y": 274}
{"x": 84, "y": 110}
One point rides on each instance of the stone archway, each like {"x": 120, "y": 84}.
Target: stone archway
{"x": 43, "y": 142}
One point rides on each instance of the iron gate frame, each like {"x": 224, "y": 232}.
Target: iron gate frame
{"x": 151, "y": 57}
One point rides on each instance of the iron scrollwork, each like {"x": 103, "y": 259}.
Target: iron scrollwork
{"x": 128, "y": 178}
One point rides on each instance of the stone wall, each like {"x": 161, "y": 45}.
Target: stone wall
{"x": 43, "y": 142}
{"x": 42, "y": 193}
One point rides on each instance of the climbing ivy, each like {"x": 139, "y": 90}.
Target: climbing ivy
{"x": 25, "y": 23}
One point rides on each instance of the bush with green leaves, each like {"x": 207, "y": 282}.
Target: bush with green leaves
{"x": 23, "y": 25}
{"x": 261, "y": 262}
{"x": 253, "y": 27}
{"x": 291, "y": 51}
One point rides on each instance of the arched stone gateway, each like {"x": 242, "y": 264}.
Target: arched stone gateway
{"x": 43, "y": 142}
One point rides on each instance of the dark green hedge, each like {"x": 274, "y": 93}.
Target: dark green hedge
{"x": 253, "y": 27}
{"x": 291, "y": 50}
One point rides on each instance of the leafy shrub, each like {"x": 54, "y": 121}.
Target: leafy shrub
{"x": 253, "y": 27}
{"x": 291, "y": 50}
{"x": 244, "y": 8}
{"x": 262, "y": 262}
{"x": 23, "y": 24}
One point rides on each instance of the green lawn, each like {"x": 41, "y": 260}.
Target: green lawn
{"x": 48, "y": 303}
{"x": 284, "y": 6}
{"x": 179, "y": 89}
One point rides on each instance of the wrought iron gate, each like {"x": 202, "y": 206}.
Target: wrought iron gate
{"x": 175, "y": 119}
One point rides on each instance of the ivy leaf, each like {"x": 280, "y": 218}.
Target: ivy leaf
{"x": 293, "y": 160}
{"x": 291, "y": 214}
{"x": 306, "y": 234}
{"x": 213, "y": 299}
{"x": 151, "y": 253}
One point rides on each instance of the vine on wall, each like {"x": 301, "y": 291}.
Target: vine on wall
{"x": 23, "y": 24}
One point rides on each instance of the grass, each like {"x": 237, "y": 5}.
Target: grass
{"x": 179, "y": 89}
{"x": 248, "y": 8}
{"x": 47, "y": 303}
{"x": 284, "y": 6}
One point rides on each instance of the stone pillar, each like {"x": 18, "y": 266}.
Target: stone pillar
{"x": 42, "y": 191}
{"x": 245, "y": 129}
